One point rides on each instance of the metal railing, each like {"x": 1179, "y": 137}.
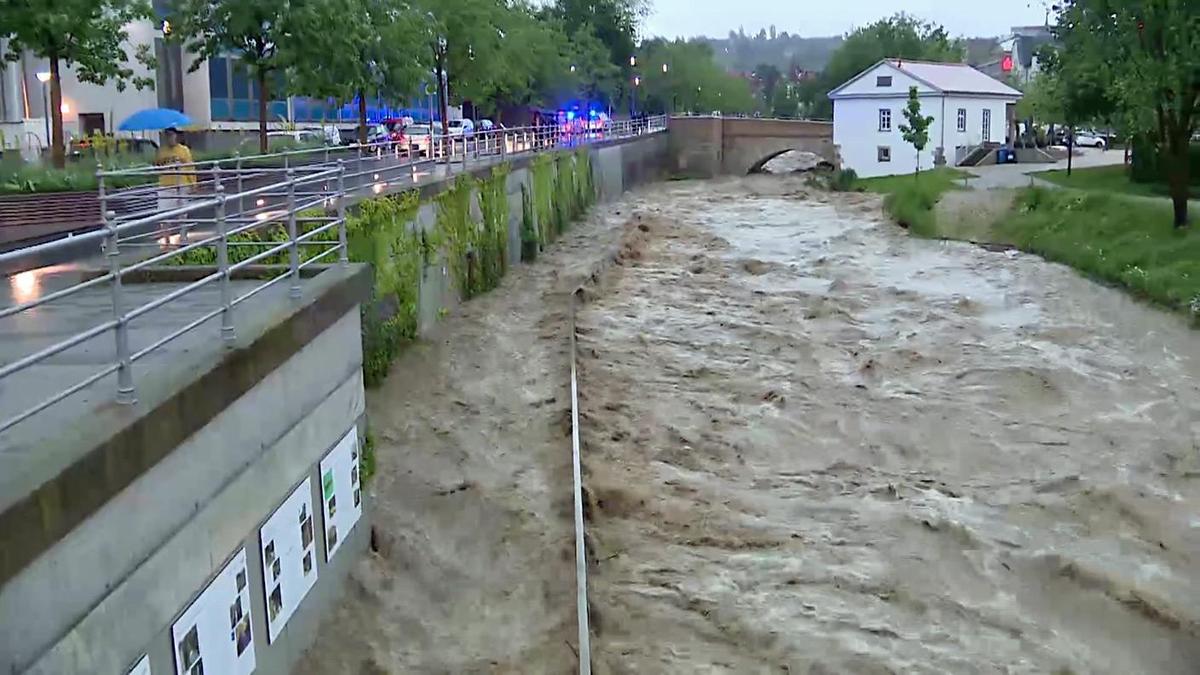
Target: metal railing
{"x": 292, "y": 202}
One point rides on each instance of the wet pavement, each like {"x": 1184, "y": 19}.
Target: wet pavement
{"x": 816, "y": 445}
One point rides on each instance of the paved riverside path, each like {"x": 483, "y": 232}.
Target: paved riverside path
{"x": 993, "y": 176}
{"x": 25, "y": 459}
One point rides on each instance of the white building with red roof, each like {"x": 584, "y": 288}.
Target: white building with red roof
{"x": 970, "y": 112}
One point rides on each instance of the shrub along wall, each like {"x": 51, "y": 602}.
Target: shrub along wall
{"x": 383, "y": 231}
{"x": 560, "y": 189}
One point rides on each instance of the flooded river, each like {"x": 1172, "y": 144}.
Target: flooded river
{"x": 816, "y": 445}
{"x": 812, "y": 445}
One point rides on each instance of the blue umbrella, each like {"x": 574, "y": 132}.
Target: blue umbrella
{"x": 154, "y": 119}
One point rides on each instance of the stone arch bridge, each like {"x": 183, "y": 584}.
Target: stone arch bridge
{"x": 704, "y": 147}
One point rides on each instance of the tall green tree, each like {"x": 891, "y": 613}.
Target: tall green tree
{"x": 915, "y": 129}
{"x": 87, "y": 35}
{"x": 1148, "y": 53}
{"x": 613, "y": 22}
{"x": 900, "y": 36}
{"x": 1078, "y": 93}
{"x": 692, "y": 81}
{"x": 328, "y": 63}
{"x": 377, "y": 49}
{"x": 465, "y": 42}
{"x": 255, "y": 31}
{"x": 768, "y": 77}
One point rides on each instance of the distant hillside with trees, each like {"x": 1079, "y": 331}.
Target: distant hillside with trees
{"x": 742, "y": 53}
{"x": 812, "y": 66}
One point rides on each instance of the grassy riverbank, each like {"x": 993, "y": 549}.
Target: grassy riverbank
{"x": 1105, "y": 228}
{"x": 1110, "y": 179}
{"x": 1129, "y": 243}
{"x": 911, "y": 199}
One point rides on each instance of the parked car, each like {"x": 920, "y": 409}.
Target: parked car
{"x": 462, "y": 127}
{"x": 391, "y": 132}
{"x": 419, "y": 139}
{"x": 1088, "y": 139}
{"x": 278, "y": 141}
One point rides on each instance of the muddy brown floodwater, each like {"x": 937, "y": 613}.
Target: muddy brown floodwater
{"x": 472, "y": 502}
{"x": 815, "y": 445}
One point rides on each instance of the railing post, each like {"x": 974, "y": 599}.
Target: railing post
{"x": 240, "y": 205}
{"x": 359, "y": 166}
{"x": 294, "y": 249}
{"x": 344, "y": 255}
{"x": 227, "y": 333}
{"x": 126, "y": 395}
{"x": 503, "y": 145}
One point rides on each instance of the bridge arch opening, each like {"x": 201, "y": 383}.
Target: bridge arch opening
{"x": 804, "y": 160}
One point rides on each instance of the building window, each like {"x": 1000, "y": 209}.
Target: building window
{"x": 884, "y": 153}
{"x": 962, "y": 119}
{"x": 987, "y": 125}
{"x": 885, "y": 119}
{"x": 883, "y": 81}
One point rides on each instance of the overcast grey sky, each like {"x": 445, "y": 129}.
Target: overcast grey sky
{"x": 811, "y": 18}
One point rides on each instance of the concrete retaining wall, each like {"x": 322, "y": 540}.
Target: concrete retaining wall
{"x": 99, "y": 563}
{"x": 616, "y": 168}
{"x": 108, "y": 591}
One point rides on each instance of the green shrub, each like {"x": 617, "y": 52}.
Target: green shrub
{"x": 529, "y": 234}
{"x": 587, "y": 180}
{"x": 246, "y": 245}
{"x": 382, "y": 233}
{"x": 458, "y": 235}
{"x": 1150, "y": 166}
{"x": 492, "y": 244}
{"x": 843, "y": 180}
{"x": 541, "y": 171}
{"x": 912, "y": 208}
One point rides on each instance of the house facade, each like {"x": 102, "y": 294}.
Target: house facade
{"x": 1017, "y": 56}
{"x": 969, "y": 110}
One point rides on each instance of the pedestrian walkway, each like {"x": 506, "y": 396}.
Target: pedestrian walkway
{"x": 993, "y": 176}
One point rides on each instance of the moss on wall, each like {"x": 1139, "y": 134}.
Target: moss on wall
{"x": 383, "y": 233}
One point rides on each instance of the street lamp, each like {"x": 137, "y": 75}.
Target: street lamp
{"x": 44, "y": 78}
{"x": 632, "y": 61}
{"x": 664, "y": 67}
{"x": 572, "y": 67}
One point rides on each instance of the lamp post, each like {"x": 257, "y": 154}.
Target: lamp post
{"x": 637, "y": 82}
{"x": 44, "y": 78}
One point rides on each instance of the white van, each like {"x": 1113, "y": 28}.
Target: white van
{"x": 462, "y": 127}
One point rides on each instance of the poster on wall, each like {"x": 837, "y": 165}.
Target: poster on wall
{"x": 341, "y": 494}
{"x": 142, "y": 667}
{"x": 289, "y": 557}
{"x": 213, "y": 634}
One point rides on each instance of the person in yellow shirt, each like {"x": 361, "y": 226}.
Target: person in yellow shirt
{"x": 174, "y": 185}
{"x": 177, "y": 158}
